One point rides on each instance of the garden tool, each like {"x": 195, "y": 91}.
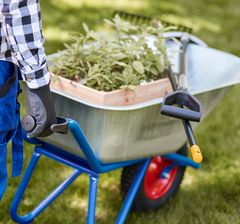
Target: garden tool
{"x": 190, "y": 107}
{"x": 181, "y": 104}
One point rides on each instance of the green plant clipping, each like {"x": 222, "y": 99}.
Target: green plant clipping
{"x": 120, "y": 58}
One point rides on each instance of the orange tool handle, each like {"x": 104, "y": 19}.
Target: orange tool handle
{"x": 196, "y": 153}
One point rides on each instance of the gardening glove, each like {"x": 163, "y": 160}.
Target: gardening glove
{"x": 40, "y": 107}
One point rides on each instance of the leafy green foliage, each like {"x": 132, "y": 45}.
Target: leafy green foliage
{"x": 118, "y": 59}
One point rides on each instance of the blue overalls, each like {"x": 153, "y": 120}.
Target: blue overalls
{"x": 10, "y": 127}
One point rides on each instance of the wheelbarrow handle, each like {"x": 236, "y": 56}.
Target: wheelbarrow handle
{"x": 61, "y": 127}
{"x": 29, "y": 123}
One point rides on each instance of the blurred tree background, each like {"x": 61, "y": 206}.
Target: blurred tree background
{"x": 209, "y": 195}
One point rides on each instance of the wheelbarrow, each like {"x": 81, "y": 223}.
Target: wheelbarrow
{"x": 151, "y": 148}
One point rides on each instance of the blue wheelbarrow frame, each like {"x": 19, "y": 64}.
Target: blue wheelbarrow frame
{"x": 91, "y": 166}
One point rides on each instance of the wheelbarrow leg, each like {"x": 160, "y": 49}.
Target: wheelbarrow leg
{"x": 21, "y": 189}
{"x": 28, "y": 218}
{"x": 92, "y": 196}
{"x": 132, "y": 192}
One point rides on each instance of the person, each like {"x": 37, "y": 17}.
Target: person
{"x": 22, "y": 56}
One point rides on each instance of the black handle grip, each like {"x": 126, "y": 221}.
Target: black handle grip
{"x": 183, "y": 105}
{"x": 181, "y": 113}
{"x": 61, "y": 127}
{"x": 29, "y": 123}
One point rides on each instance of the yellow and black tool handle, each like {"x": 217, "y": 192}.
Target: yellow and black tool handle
{"x": 182, "y": 105}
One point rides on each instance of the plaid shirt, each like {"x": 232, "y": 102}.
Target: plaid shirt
{"x": 21, "y": 40}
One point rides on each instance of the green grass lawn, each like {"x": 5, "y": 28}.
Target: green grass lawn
{"x": 209, "y": 195}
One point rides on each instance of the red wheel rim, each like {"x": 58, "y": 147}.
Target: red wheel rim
{"x": 155, "y": 186}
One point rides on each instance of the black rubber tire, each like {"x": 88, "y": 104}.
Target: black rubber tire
{"x": 142, "y": 202}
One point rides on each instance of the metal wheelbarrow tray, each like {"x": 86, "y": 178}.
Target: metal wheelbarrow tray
{"x": 121, "y": 133}
{"x": 121, "y": 136}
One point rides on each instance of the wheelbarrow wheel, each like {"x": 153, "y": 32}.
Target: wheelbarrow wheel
{"x": 156, "y": 189}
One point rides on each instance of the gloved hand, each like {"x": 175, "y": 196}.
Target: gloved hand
{"x": 40, "y": 107}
